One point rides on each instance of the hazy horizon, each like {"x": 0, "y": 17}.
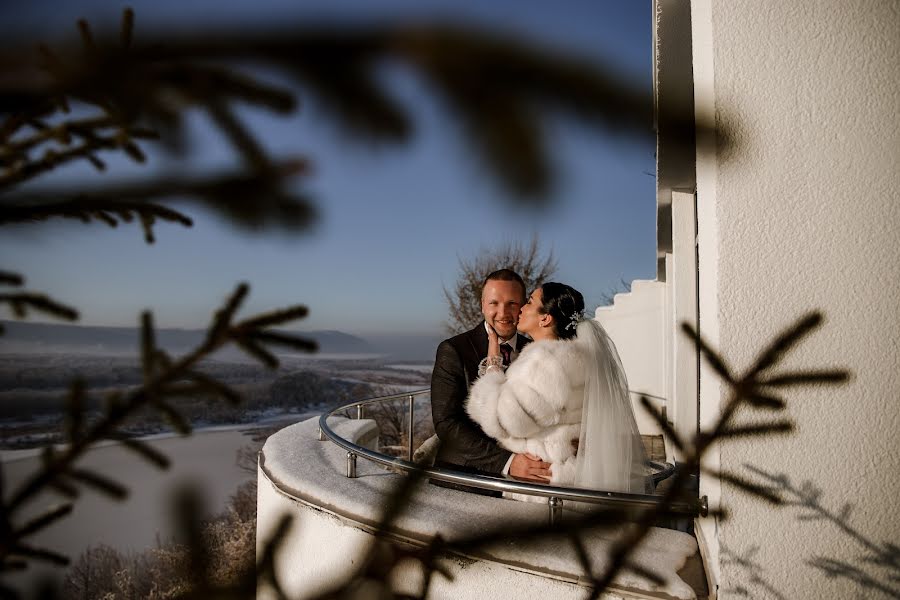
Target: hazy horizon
{"x": 30, "y": 338}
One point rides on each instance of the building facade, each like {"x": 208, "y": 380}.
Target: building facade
{"x": 797, "y": 180}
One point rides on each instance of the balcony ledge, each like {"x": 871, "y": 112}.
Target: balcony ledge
{"x": 335, "y": 517}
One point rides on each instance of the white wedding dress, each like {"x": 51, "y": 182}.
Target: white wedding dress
{"x": 561, "y": 391}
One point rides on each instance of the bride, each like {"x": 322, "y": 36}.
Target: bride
{"x": 565, "y": 399}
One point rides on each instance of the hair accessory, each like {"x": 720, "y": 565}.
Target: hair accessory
{"x": 576, "y": 318}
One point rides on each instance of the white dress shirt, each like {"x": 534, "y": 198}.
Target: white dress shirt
{"x": 510, "y": 341}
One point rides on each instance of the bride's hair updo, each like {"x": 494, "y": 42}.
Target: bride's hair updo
{"x": 565, "y": 304}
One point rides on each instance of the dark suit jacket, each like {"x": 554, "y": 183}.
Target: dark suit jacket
{"x": 464, "y": 446}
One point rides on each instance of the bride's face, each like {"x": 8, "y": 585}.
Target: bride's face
{"x": 530, "y": 317}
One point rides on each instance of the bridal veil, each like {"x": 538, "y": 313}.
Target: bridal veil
{"x": 610, "y": 452}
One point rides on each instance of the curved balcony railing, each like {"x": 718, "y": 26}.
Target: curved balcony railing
{"x": 555, "y": 495}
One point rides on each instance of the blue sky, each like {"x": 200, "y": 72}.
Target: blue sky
{"x": 394, "y": 219}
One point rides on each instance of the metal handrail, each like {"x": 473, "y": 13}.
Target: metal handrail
{"x": 556, "y": 495}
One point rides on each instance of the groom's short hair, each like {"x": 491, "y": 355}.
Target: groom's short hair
{"x": 506, "y": 275}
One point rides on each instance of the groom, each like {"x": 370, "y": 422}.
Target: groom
{"x": 464, "y": 446}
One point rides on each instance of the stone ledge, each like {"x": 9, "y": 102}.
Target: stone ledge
{"x": 301, "y": 467}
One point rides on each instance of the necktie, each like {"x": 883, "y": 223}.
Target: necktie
{"x": 506, "y": 353}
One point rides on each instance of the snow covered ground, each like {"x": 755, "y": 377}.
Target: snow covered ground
{"x": 204, "y": 460}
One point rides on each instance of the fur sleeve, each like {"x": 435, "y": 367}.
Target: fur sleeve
{"x": 482, "y": 403}
{"x": 531, "y": 395}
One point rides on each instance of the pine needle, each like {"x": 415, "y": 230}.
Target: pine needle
{"x": 66, "y": 489}
{"x": 101, "y": 483}
{"x": 148, "y": 345}
{"x": 39, "y": 302}
{"x": 765, "y": 401}
{"x": 147, "y": 225}
{"x": 48, "y": 518}
{"x": 298, "y": 343}
{"x": 808, "y": 378}
{"x": 174, "y": 418}
{"x": 8, "y": 278}
{"x": 41, "y": 554}
{"x": 710, "y": 355}
{"x": 765, "y": 493}
{"x": 663, "y": 423}
{"x": 258, "y": 352}
{"x": 127, "y": 28}
{"x": 275, "y": 318}
{"x": 225, "y": 314}
{"x": 146, "y": 451}
{"x": 786, "y": 340}
{"x": 87, "y": 40}
{"x": 75, "y": 413}
{"x": 778, "y": 427}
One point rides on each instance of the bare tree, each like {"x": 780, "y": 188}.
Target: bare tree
{"x": 393, "y": 425}
{"x": 464, "y": 299}
{"x": 93, "y": 573}
{"x": 609, "y": 296}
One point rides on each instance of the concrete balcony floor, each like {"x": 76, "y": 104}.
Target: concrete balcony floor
{"x": 334, "y": 517}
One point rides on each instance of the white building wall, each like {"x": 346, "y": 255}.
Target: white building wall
{"x": 801, "y": 213}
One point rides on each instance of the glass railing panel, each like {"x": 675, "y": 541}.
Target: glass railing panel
{"x": 410, "y": 411}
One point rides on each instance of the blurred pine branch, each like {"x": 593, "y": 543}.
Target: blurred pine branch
{"x": 500, "y": 90}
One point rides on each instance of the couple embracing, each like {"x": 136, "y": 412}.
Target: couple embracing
{"x": 553, "y": 408}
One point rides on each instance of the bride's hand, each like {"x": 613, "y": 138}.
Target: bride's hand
{"x": 493, "y": 342}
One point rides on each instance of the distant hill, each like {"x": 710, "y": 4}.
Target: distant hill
{"x": 48, "y": 337}
{"x": 415, "y": 348}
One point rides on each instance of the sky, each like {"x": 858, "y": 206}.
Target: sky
{"x": 394, "y": 220}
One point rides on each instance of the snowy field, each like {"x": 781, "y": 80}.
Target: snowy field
{"x": 205, "y": 460}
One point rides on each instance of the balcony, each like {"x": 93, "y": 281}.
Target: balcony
{"x": 337, "y": 499}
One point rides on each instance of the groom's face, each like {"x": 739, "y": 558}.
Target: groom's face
{"x": 500, "y": 305}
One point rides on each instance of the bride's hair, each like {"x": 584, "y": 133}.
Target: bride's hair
{"x": 565, "y": 304}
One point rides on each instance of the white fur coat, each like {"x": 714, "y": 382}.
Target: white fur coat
{"x": 535, "y": 406}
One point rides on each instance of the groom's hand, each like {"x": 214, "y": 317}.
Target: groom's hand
{"x": 530, "y": 468}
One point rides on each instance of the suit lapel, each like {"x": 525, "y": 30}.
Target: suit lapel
{"x": 479, "y": 340}
{"x": 521, "y": 342}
